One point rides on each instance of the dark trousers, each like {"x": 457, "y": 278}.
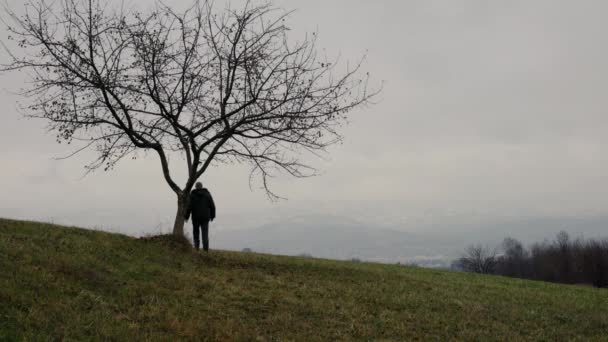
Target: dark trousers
{"x": 197, "y": 227}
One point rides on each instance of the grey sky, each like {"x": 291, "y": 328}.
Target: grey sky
{"x": 490, "y": 108}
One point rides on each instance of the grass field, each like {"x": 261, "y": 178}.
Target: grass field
{"x": 67, "y": 283}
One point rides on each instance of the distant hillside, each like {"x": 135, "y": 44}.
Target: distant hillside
{"x": 435, "y": 243}
{"x": 336, "y": 238}
{"x": 59, "y": 283}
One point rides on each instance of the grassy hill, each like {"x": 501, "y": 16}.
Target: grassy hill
{"x": 74, "y": 284}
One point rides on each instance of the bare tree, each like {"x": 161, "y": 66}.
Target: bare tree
{"x": 478, "y": 259}
{"x": 513, "y": 261}
{"x": 564, "y": 257}
{"x": 210, "y": 86}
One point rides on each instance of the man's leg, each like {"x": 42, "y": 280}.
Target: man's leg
{"x": 205, "y": 229}
{"x": 195, "y": 233}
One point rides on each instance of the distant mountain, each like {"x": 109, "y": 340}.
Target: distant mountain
{"x": 335, "y": 238}
{"x": 434, "y": 244}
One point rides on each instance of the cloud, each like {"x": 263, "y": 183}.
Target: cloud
{"x": 493, "y": 108}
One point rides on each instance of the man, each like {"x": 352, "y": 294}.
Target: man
{"x": 202, "y": 208}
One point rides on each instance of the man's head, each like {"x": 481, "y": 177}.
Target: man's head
{"x": 199, "y": 185}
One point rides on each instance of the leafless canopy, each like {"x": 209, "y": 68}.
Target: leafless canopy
{"x": 478, "y": 259}
{"x": 213, "y": 86}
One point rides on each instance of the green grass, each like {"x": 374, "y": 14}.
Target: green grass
{"x": 72, "y": 284}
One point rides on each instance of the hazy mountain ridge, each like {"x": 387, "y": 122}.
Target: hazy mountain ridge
{"x": 333, "y": 237}
{"x": 433, "y": 244}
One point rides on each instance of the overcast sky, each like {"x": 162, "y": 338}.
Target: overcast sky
{"x": 490, "y": 109}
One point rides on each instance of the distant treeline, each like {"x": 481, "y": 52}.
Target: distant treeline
{"x": 562, "y": 260}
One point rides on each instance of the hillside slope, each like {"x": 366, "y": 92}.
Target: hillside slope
{"x": 58, "y": 282}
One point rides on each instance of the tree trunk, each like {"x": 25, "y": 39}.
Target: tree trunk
{"x": 182, "y": 206}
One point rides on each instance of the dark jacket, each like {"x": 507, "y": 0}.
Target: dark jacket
{"x": 201, "y": 205}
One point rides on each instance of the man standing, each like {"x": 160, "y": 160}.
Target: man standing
{"x": 202, "y": 208}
